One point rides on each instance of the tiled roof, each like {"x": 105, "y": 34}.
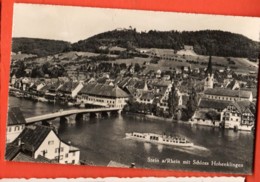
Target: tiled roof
{"x": 231, "y": 84}
{"x": 15, "y": 116}
{"x": 21, "y": 157}
{"x": 33, "y": 136}
{"x": 213, "y": 104}
{"x": 244, "y": 105}
{"x": 103, "y": 90}
{"x": 161, "y": 83}
{"x": 68, "y": 86}
{"x": 140, "y": 85}
{"x": 116, "y": 164}
{"x": 102, "y": 80}
{"x": 11, "y": 151}
{"x": 228, "y": 92}
{"x": 253, "y": 90}
{"x": 147, "y": 95}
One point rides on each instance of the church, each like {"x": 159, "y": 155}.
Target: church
{"x": 209, "y": 80}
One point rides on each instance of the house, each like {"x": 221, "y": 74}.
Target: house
{"x": 231, "y": 84}
{"x": 41, "y": 141}
{"x": 15, "y": 125}
{"x": 15, "y": 152}
{"x": 205, "y": 107}
{"x": 161, "y": 90}
{"x": 158, "y": 74}
{"x": 103, "y": 95}
{"x": 166, "y": 77}
{"x": 147, "y": 97}
{"x": 70, "y": 89}
{"x": 188, "y": 47}
{"x": 228, "y": 94}
{"x": 13, "y": 80}
{"x": 239, "y": 115}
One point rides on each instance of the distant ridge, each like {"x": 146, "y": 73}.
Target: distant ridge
{"x": 204, "y": 42}
{"x": 40, "y": 47}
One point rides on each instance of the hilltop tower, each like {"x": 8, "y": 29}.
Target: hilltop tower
{"x": 208, "y": 83}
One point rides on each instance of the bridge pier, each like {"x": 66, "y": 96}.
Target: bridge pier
{"x": 108, "y": 114}
{"x": 79, "y": 117}
{"x": 82, "y": 117}
{"x": 98, "y": 115}
{"x": 68, "y": 119}
{"x": 45, "y": 123}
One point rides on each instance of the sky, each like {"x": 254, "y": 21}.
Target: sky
{"x": 78, "y": 23}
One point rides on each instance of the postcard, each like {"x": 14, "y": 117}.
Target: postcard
{"x": 132, "y": 89}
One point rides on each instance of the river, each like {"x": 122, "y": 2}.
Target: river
{"x": 102, "y": 140}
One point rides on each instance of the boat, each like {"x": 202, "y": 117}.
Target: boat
{"x": 18, "y": 94}
{"x": 71, "y": 104}
{"x": 160, "y": 139}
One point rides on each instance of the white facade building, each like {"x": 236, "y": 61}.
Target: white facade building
{"x": 239, "y": 115}
{"x": 38, "y": 140}
{"x": 103, "y": 95}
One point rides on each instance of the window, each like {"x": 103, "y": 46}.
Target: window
{"x": 73, "y": 162}
{"x": 10, "y": 129}
{"x": 16, "y": 128}
{"x": 51, "y": 142}
{"x": 66, "y": 155}
{"x": 61, "y": 149}
{"x": 44, "y": 152}
{"x": 73, "y": 154}
{"x": 56, "y": 150}
{"x": 61, "y": 157}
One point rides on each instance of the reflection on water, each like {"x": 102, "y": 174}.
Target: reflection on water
{"x": 102, "y": 140}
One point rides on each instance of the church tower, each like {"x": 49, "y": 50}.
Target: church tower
{"x": 208, "y": 83}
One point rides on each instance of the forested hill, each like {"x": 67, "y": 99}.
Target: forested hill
{"x": 40, "y": 47}
{"x": 205, "y": 42}
{"x": 218, "y": 43}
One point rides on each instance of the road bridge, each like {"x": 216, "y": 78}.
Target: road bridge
{"x": 66, "y": 113}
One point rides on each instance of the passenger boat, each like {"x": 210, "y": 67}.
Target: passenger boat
{"x": 160, "y": 139}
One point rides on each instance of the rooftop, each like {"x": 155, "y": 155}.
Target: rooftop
{"x": 15, "y": 116}
{"x": 33, "y": 136}
{"x": 68, "y": 86}
{"x": 103, "y": 90}
{"x": 242, "y": 106}
{"x": 213, "y": 104}
{"x": 228, "y": 92}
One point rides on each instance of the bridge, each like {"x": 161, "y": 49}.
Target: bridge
{"x": 66, "y": 113}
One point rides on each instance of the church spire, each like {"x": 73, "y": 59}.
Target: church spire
{"x": 209, "y": 68}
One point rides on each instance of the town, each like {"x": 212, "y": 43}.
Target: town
{"x": 157, "y": 84}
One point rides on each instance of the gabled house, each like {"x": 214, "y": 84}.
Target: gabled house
{"x": 41, "y": 141}
{"x": 103, "y": 95}
{"x": 70, "y": 89}
{"x": 239, "y": 115}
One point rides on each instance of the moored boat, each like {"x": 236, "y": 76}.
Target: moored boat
{"x": 160, "y": 139}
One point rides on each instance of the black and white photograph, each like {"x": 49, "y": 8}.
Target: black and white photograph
{"x": 132, "y": 89}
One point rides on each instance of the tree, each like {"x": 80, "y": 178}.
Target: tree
{"x": 213, "y": 115}
{"x": 137, "y": 67}
{"x": 173, "y": 101}
{"x": 192, "y": 103}
{"x": 20, "y": 72}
